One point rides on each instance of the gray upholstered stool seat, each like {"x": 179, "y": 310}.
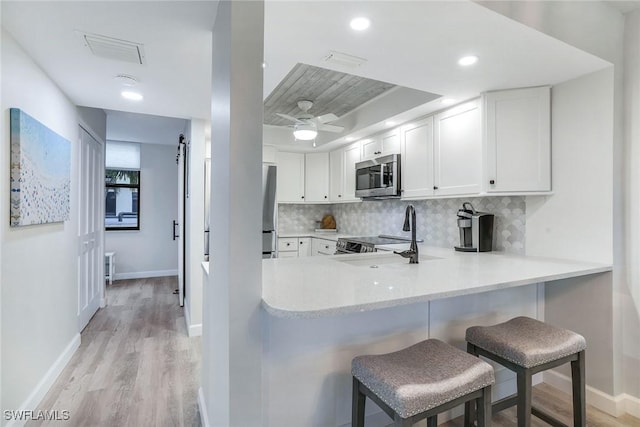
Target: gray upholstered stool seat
{"x": 421, "y": 378}
{"x": 528, "y": 346}
{"x": 526, "y": 342}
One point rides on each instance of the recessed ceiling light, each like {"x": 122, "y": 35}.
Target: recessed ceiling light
{"x": 131, "y": 95}
{"x": 389, "y": 123}
{"x": 465, "y": 61}
{"x": 360, "y": 23}
{"x": 448, "y": 101}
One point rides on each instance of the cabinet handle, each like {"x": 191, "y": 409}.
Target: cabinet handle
{"x": 493, "y": 181}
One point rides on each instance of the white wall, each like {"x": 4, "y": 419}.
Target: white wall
{"x": 194, "y": 220}
{"x": 150, "y": 251}
{"x": 577, "y": 220}
{"x": 630, "y": 295}
{"x": 39, "y": 263}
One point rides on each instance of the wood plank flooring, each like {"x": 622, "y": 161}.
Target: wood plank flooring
{"x": 136, "y": 367}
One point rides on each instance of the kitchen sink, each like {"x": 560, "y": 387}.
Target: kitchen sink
{"x": 379, "y": 260}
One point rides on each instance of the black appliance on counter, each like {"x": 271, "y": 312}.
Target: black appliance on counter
{"x": 357, "y": 245}
{"x": 476, "y": 230}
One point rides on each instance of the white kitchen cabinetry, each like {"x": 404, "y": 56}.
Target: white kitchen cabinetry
{"x": 291, "y": 174}
{"x": 294, "y": 247}
{"x": 322, "y": 247}
{"x": 417, "y": 159}
{"x": 457, "y": 150}
{"x": 342, "y": 177}
{"x": 518, "y": 140}
{"x": 304, "y": 246}
{"x": 382, "y": 144}
{"x": 316, "y": 182}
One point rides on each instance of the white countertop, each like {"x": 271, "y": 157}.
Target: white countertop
{"x": 328, "y": 235}
{"x": 323, "y": 286}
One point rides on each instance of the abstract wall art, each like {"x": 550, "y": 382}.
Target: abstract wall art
{"x": 40, "y": 172}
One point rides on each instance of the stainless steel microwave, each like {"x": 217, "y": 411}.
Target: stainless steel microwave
{"x": 378, "y": 177}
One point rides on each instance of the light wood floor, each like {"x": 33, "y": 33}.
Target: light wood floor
{"x": 136, "y": 367}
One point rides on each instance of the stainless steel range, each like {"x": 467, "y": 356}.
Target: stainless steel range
{"x": 357, "y": 245}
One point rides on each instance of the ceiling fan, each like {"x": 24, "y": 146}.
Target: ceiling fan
{"x": 306, "y": 126}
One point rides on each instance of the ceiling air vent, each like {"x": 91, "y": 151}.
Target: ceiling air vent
{"x": 110, "y": 48}
{"x": 343, "y": 59}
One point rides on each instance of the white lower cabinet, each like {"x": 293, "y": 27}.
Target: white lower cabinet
{"x": 294, "y": 247}
{"x": 322, "y": 247}
{"x": 304, "y": 246}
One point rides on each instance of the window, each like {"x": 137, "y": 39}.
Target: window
{"x": 122, "y": 186}
{"x": 122, "y": 199}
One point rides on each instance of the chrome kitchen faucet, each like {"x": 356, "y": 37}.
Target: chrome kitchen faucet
{"x": 412, "y": 253}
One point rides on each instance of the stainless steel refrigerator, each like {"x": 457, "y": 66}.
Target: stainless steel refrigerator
{"x": 269, "y": 210}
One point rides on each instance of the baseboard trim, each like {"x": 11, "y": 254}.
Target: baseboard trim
{"x": 204, "y": 417}
{"x": 612, "y": 405}
{"x": 145, "y": 274}
{"x": 192, "y": 330}
{"x": 41, "y": 389}
{"x": 632, "y": 405}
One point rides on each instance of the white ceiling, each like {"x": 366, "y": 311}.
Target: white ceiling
{"x": 142, "y": 128}
{"x": 176, "y": 35}
{"x": 414, "y": 44}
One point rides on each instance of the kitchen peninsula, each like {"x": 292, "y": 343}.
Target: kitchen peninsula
{"x": 323, "y": 311}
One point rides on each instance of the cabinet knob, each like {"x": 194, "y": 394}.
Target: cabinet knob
{"x": 326, "y": 247}
{"x": 288, "y": 244}
{"x": 302, "y": 197}
{"x": 325, "y": 197}
{"x": 493, "y": 181}
{"x": 435, "y": 187}
{"x": 339, "y": 195}
{"x": 301, "y": 243}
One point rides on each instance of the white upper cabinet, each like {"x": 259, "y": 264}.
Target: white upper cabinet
{"x": 381, "y": 144}
{"x": 336, "y": 175}
{"x": 316, "y": 178}
{"x": 457, "y": 149}
{"x": 351, "y": 157}
{"x": 417, "y": 159}
{"x": 342, "y": 176}
{"x": 518, "y": 140}
{"x": 291, "y": 174}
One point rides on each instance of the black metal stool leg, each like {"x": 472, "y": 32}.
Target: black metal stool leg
{"x": 357, "y": 405}
{"x": 524, "y": 398}
{"x": 432, "y": 421}
{"x": 578, "y": 386}
{"x": 470, "y": 406}
{"x": 484, "y": 408}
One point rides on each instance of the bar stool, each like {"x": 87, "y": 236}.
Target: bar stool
{"x": 528, "y": 346}
{"x": 421, "y": 381}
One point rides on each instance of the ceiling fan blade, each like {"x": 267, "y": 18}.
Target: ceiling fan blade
{"x": 288, "y": 117}
{"x": 326, "y": 118}
{"x": 330, "y": 128}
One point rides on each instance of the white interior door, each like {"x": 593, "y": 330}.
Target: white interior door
{"x": 91, "y": 225}
{"x": 179, "y": 227}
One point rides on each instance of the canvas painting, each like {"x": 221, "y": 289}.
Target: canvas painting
{"x": 40, "y": 172}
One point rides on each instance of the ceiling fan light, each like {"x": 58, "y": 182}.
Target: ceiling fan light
{"x": 305, "y": 134}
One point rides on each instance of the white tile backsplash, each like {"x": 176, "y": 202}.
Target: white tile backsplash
{"x": 436, "y": 219}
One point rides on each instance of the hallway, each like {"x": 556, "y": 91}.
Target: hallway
{"x": 135, "y": 367}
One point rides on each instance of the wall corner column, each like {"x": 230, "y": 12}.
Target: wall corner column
{"x": 232, "y": 341}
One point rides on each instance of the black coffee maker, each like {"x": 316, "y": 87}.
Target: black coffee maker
{"x": 476, "y": 230}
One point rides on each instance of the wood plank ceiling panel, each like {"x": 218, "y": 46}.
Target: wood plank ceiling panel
{"x": 330, "y": 91}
